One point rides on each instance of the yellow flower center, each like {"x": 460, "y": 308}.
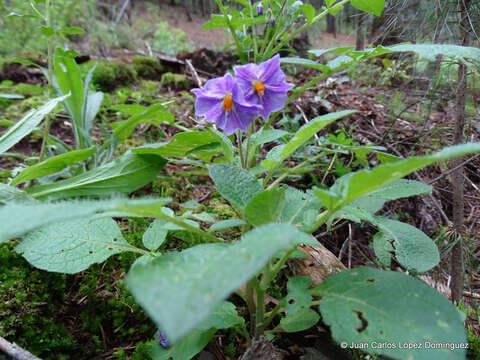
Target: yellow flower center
{"x": 259, "y": 87}
{"x": 227, "y": 103}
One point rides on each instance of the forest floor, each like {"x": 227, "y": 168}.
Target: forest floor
{"x": 92, "y": 315}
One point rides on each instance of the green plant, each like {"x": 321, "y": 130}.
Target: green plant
{"x": 170, "y": 41}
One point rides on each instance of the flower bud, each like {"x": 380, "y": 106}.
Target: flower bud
{"x": 259, "y": 9}
{"x": 272, "y": 21}
{"x": 162, "y": 340}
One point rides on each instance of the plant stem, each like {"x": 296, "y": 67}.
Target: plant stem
{"x": 46, "y": 126}
{"x": 260, "y": 314}
{"x": 282, "y": 43}
{"x": 232, "y": 30}
{"x": 240, "y": 148}
{"x": 251, "y": 305}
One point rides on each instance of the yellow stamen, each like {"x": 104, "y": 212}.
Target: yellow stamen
{"x": 259, "y": 87}
{"x": 227, "y": 103}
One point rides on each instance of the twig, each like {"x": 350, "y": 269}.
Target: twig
{"x": 122, "y": 10}
{"x": 15, "y": 351}
{"x": 149, "y": 49}
{"x": 194, "y": 72}
{"x": 445, "y": 174}
{"x": 471, "y": 294}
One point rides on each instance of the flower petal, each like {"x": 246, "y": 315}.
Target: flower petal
{"x": 203, "y": 104}
{"x": 272, "y": 101}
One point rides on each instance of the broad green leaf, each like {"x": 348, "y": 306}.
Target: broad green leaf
{"x": 431, "y": 51}
{"x": 25, "y": 217}
{"x": 365, "y": 305}
{"x": 180, "y": 144}
{"x": 155, "y": 235}
{"x": 400, "y": 188}
{"x": 226, "y": 143}
{"x": 6, "y": 123}
{"x": 154, "y": 114}
{"x": 413, "y": 248}
{"x": 299, "y": 296}
{"x": 180, "y": 290}
{"x": 371, "y": 6}
{"x": 265, "y": 207}
{"x": 226, "y": 224}
{"x": 9, "y": 193}
{"x": 47, "y": 31}
{"x": 72, "y": 246}
{"x": 397, "y": 189}
{"x": 301, "y": 320}
{"x": 355, "y": 185}
{"x": 306, "y": 132}
{"x": 383, "y": 249}
{"x": 339, "y": 50}
{"x": 284, "y": 205}
{"x": 27, "y": 124}
{"x": 93, "y": 104}
{"x": 236, "y": 185}
{"x": 123, "y": 175}
{"x": 264, "y": 136}
{"x": 186, "y": 348}
{"x": 304, "y": 62}
{"x": 68, "y": 79}
{"x": 309, "y": 11}
{"x": 223, "y": 317}
{"x": 53, "y": 165}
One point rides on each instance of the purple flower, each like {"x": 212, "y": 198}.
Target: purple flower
{"x": 222, "y": 101}
{"x": 162, "y": 340}
{"x": 264, "y": 85}
{"x": 259, "y": 9}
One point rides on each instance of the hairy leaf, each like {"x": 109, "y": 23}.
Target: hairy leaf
{"x": 180, "y": 290}
{"x": 72, "y": 246}
{"x": 366, "y": 305}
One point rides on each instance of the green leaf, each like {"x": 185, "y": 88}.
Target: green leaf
{"x": 53, "y": 165}
{"x": 185, "y": 349}
{"x": 306, "y": 132}
{"x": 284, "y": 205}
{"x": 10, "y": 193}
{"x": 397, "y": 189}
{"x": 299, "y": 296}
{"x": 25, "y": 217}
{"x": 431, "y": 51}
{"x": 180, "y": 144}
{"x": 265, "y": 207}
{"x": 226, "y": 224}
{"x": 374, "y": 7}
{"x": 180, "y": 290}
{"x": 301, "y": 320}
{"x": 155, "y": 235}
{"x": 383, "y": 249}
{"x": 309, "y": 11}
{"x": 265, "y": 136}
{"x": 355, "y": 185}
{"x": 27, "y": 124}
{"x": 223, "y": 317}
{"x": 365, "y": 305}
{"x": 413, "y": 249}
{"x": 152, "y": 115}
{"x": 123, "y": 175}
{"x": 47, "y": 31}
{"x": 68, "y": 79}
{"x": 72, "y": 246}
{"x": 73, "y": 31}
{"x": 236, "y": 185}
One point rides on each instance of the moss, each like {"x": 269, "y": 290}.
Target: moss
{"x": 147, "y": 67}
{"x": 175, "y": 81}
{"x": 223, "y": 211}
{"x": 148, "y": 87}
{"x": 28, "y": 298}
{"x": 110, "y": 75}
{"x": 20, "y": 107}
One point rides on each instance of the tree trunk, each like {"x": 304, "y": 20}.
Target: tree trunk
{"x": 457, "y": 271}
{"x": 360, "y": 41}
{"x": 331, "y": 28}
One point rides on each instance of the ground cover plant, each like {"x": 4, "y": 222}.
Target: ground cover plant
{"x": 198, "y": 272}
